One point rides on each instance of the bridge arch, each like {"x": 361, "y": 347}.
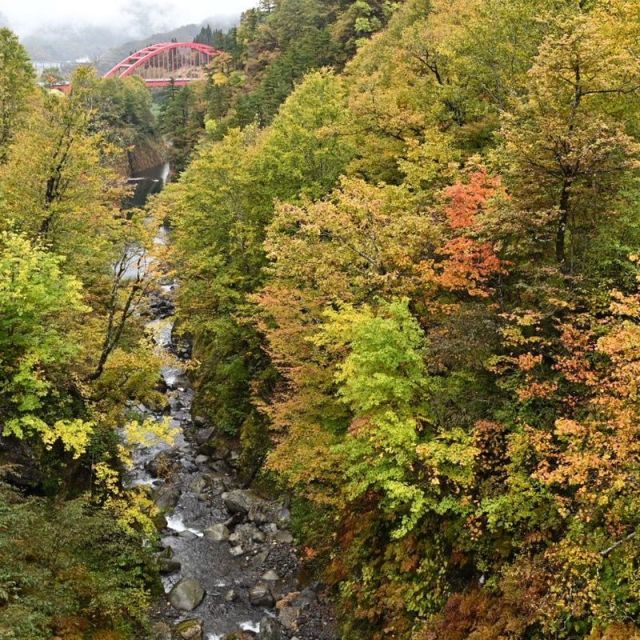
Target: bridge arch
{"x": 166, "y": 63}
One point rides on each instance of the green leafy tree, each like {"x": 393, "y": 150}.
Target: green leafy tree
{"x": 221, "y": 208}
{"x": 16, "y": 85}
{"x": 40, "y": 311}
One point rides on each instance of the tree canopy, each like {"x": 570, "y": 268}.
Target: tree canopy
{"x": 443, "y": 316}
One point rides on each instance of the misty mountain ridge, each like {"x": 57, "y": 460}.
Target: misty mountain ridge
{"x": 104, "y": 45}
{"x": 185, "y": 33}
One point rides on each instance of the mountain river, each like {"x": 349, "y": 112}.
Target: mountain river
{"x": 228, "y": 561}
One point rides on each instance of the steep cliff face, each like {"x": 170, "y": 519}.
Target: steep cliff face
{"x": 150, "y": 152}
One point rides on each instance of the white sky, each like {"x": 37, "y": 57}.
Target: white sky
{"x": 26, "y": 15}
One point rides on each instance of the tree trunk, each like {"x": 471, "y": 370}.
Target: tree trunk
{"x": 561, "y": 231}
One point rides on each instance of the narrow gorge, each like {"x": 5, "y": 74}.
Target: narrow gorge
{"x": 228, "y": 562}
{"x": 359, "y": 361}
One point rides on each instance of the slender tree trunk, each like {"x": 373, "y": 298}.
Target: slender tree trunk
{"x": 561, "y": 231}
{"x": 114, "y": 334}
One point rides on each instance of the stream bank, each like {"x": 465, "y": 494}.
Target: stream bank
{"x": 229, "y": 564}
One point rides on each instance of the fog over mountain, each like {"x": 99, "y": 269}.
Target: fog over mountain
{"x": 106, "y": 46}
{"x": 68, "y": 30}
{"x": 106, "y": 59}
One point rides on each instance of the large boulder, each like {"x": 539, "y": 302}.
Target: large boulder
{"x": 202, "y": 436}
{"x": 186, "y": 595}
{"x": 291, "y": 607}
{"x": 217, "y": 532}
{"x": 283, "y": 537}
{"x": 166, "y": 497}
{"x": 189, "y": 629}
{"x": 199, "y": 484}
{"x": 240, "y": 501}
{"x": 244, "y": 503}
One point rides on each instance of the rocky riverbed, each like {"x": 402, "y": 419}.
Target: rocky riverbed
{"x": 229, "y": 563}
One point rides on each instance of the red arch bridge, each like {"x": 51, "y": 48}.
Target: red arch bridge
{"x": 167, "y": 63}
{"x": 163, "y": 64}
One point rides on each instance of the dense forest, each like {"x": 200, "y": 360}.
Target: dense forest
{"x": 72, "y": 353}
{"x": 407, "y": 237}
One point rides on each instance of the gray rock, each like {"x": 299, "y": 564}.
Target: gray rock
{"x": 186, "y": 595}
{"x": 229, "y": 483}
{"x": 261, "y": 596}
{"x": 259, "y": 512}
{"x": 176, "y": 402}
{"x": 166, "y": 498}
{"x": 236, "y": 551}
{"x": 240, "y": 501}
{"x": 217, "y": 533}
{"x": 230, "y": 596}
{"x": 283, "y": 516}
{"x": 270, "y": 629}
{"x": 271, "y": 576}
{"x": 189, "y": 467}
{"x": 198, "y": 484}
{"x": 308, "y": 596}
{"x": 283, "y": 537}
{"x": 261, "y": 557}
{"x": 288, "y": 617}
{"x": 201, "y": 459}
{"x": 203, "y": 434}
{"x": 181, "y": 415}
{"x": 189, "y": 629}
{"x": 246, "y": 534}
{"x": 217, "y": 486}
{"x": 291, "y": 606}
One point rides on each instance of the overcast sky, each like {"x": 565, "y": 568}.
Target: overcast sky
{"x": 25, "y": 16}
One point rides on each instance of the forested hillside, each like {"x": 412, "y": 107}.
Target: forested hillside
{"x": 412, "y": 293}
{"x": 262, "y": 60}
{"x": 73, "y": 357}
